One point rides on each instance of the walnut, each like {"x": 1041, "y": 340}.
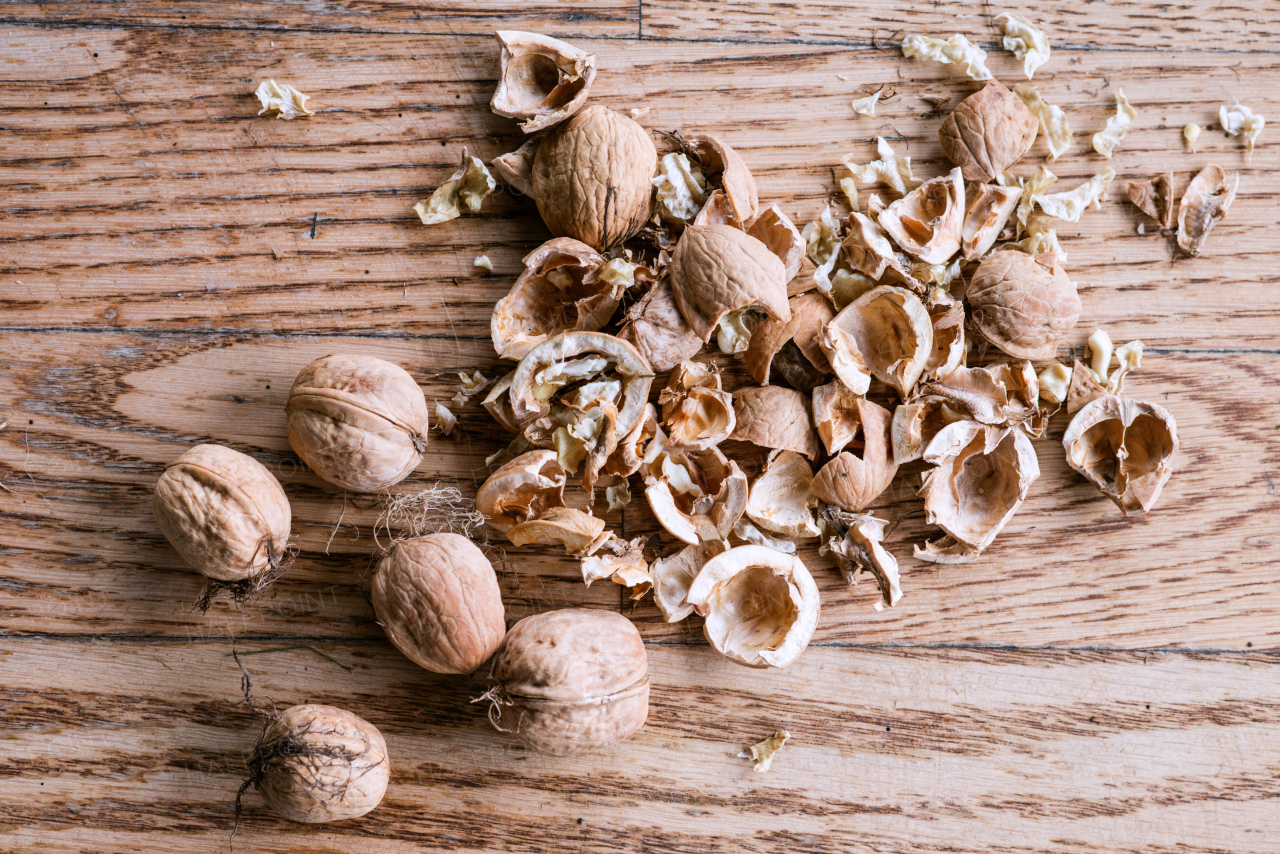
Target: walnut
{"x": 852, "y": 482}
{"x": 988, "y": 132}
{"x": 782, "y": 498}
{"x": 523, "y": 489}
{"x": 1021, "y": 305}
{"x": 784, "y": 344}
{"x": 926, "y": 222}
{"x": 570, "y": 681}
{"x": 591, "y": 178}
{"x": 542, "y": 80}
{"x": 718, "y": 269}
{"x": 989, "y": 209}
{"x": 658, "y": 331}
{"x": 1125, "y": 448}
{"x": 775, "y": 417}
{"x": 1154, "y": 197}
{"x": 886, "y": 333}
{"x": 697, "y": 413}
{"x": 1204, "y": 205}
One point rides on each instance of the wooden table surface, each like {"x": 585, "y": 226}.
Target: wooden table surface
{"x": 168, "y": 261}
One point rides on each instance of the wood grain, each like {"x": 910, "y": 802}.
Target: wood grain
{"x": 1051, "y": 752}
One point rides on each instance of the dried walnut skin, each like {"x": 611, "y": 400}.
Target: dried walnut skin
{"x": 319, "y": 763}
{"x": 573, "y": 680}
{"x": 591, "y": 178}
{"x": 438, "y": 600}
{"x": 1021, "y": 306}
{"x": 988, "y": 132}
{"x": 222, "y": 511}
{"x": 359, "y": 422}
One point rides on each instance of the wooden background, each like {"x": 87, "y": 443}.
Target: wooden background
{"x": 168, "y": 261}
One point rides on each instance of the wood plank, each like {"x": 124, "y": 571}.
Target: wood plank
{"x": 123, "y": 746}
{"x": 107, "y": 410}
{"x": 598, "y": 18}
{"x": 171, "y": 206}
{"x": 1247, "y": 26}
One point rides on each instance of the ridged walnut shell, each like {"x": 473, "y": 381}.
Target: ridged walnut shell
{"x": 1022, "y": 306}
{"x": 319, "y": 763}
{"x": 657, "y": 329}
{"x": 988, "y": 132}
{"x": 852, "y": 482}
{"x": 717, "y": 269}
{"x": 556, "y": 293}
{"x": 223, "y": 511}
{"x": 777, "y": 418}
{"x": 571, "y": 681}
{"x": 437, "y": 598}
{"x": 1124, "y": 447}
{"x": 591, "y": 178}
{"x": 359, "y": 422}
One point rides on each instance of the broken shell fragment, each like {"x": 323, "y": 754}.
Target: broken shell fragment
{"x": 916, "y": 423}
{"x": 870, "y": 252}
{"x": 515, "y": 169}
{"x": 696, "y": 412}
{"x": 1125, "y": 448}
{"x": 623, "y": 563}
{"x": 1106, "y": 140}
{"x": 988, "y": 132}
{"x": 809, "y": 314}
{"x": 557, "y": 292}
{"x": 579, "y": 532}
{"x": 927, "y": 222}
{"x": 1001, "y": 394}
{"x": 946, "y": 315}
{"x": 761, "y": 606}
{"x": 1204, "y": 204}
{"x": 1021, "y": 305}
{"x": 835, "y": 415}
{"x": 657, "y": 329}
{"x": 1154, "y": 197}
{"x": 851, "y": 482}
{"x": 772, "y": 228}
{"x": 885, "y": 333}
{"x": 542, "y": 80}
{"x": 523, "y": 489}
{"x": 591, "y": 178}
{"x": 980, "y": 478}
{"x": 782, "y": 498}
{"x": 695, "y": 495}
{"x": 468, "y": 187}
{"x": 728, "y": 171}
{"x": 859, "y": 547}
{"x": 718, "y": 269}
{"x": 673, "y": 575}
{"x": 498, "y": 404}
{"x": 777, "y": 418}
{"x": 281, "y": 100}
{"x": 990, "y": 207}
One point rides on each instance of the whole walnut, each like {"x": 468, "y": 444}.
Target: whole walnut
{"x": 988, "y": 132}
{"x": 359, "y": 422}
{"x": 570, "y": 681}
{"x": 437, "y": 598}
{"x": 591, "y": 178}
{"x": 1021, "y": 305}
{"x": 320, "y": 763}
{"x": 224, "y": 512}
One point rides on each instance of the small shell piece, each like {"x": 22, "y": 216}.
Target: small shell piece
{"x": 359, "y": 422}
{"x": 1125, "y": 448}
{"x": 763, "y": 752}
{"x": 1154, "y": 197}
{"x": 777, "y": 418}
{"x": 657, "y": 329}
{"x": 717, "y": 269}
{"x": 1204, "y": 204}
{"x": 319, "y": 763}
{"x": 591, "y": 178}
{"x": 1001, "y": 394}
{"x": 281, "y": 100}
{"x": 990, "y": 207}
{"x": 570, "y": 681}
{"x": 695, "y": 495}
{"x": 885, "y": 333}
{"x": 761, "y": 606}
{"x": 981, "y": 477}
{"x": 988, "y": 132}
{"x": 927, "y": 222}
{"x": 1021, "y": 305}
{"x": 622, "y": 562}
{"x": 542, "y": 80}
{"x": 468, "y": 187}
{"x": 695, "y": 411}
{"x": 782, "y": 498}
{"x": 772, "y": 228}
{"x": 578, "y": 532}
{"x": 437, "y": 598}
{"x": 1106, "y": 140}
{"x": 673, "y": 575}
{"x": 727, "y": 170}
{"x": 523, "y": 489}
{"x": 859, "y": 547}
{"x": 769, "y": 343}
{"x": 852, "y": 482}
{"x": 558, "y": 291}
{"x": 836, "y": 416}
{"x": 223, "y": 512}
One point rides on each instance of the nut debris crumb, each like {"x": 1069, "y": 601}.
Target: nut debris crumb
{"x": 281, "y": 100}
{"x": 483, "y": 262}
{"x": 763, "y": 753}
{"x": 1105, "y": 140}
{"x": 468, "y": 187}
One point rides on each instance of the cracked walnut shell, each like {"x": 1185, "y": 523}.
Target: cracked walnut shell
{"x": 521, "y": 490}
{"x": 988, "y": 132}
{"x": 437, "y": 598}
{"x": 782, "y": 499}
{"x": 591, "y": 178}
{"x": 851, "y": 482}
{"x": 658, "y": 331}
{"x": 927, "y": 222}
{"x": 570, "y": 681}
{"x": 697, "y": 413}
{"x": 1021, "y": 305}
{"x": 359, "y": 422}
{"x": 726, "y": 169}
{"x": 777, "y": 418}
{"x": 788, "y": 344}
{"x": 717, "y": 269}
{"x": 695, "y": 495}
{"x": 1124, "y": 447}
{"x": 542, "y": 81}
{"x": 886, "y": 333}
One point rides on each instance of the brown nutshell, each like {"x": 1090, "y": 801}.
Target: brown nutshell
{"x": 775, "y": 417}
{"x": 1021, "y": 305}
{"x": 1125, "y": 448}
{"x": 717, "y": 269}
{"x": 988, "y": 132}
{"x": 852, "y": 482}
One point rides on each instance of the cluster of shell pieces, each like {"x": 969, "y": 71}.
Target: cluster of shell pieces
{"x": 879, "y": 305}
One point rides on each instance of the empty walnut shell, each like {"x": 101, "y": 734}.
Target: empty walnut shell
{"x": 591, "y": 178}
{"x": 223, "y": 512}
{"x": 578, "y": 532}
{"x": 761, "y": 606}
{"x": 570, "y": 681}
{"x": 358, "y": 421}
{"x": 498, "y": 403}
{"x": 916, "y": 423}
{"x": 809, "y": 313}
{"x": 988, "y": 132}
{"x": 658, "y": 331}
{"x": 835, "y": 415}
{"x": 1001, "y": 394}
{"x": 989, "y": 208}
{"x": 885, "y": 333}
{"x": 437, "y": 598}
{"x": 777, "y": 418}
{"x": 1204, "y": 204}
{"x": 557, "y": 292}
{"x": 521, "y": 490}
{"x": 782, "y": 499}
{"x": 1125, "y": 448}
{"x": 695, "y": 495}
{"x": 672, "y": 576}
{"x": 717, "y": 269}
{"x": 625, "y": 460}
{"x": 869, "y": 251}
{"x": 697, "y": 413}
{"x": 926, "y": 222}
{"x": 946, "y": 316}
{"x": 542, "y": 80}
{"x": 772, "y": 228}
{"x": 319, "y": 763}
{"x": 851, "y": 482}
{"x": 727, "y": 170}
{"x": 1021, "y": 305}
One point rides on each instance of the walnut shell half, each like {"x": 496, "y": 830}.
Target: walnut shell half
{"x": 521, "y": 490}
{"x": 1125, "y": 448}
{"x": 988, "y": 132}
{"x": 886, "y": 333}
{"x": 658, "y": 331}
{"x": 717, "y": 269}
{"x": 926, "y": 222}
{"x": 782, "y": 499}
{"x": 542, "y": 80}
{"x": 852, "y": 482}
{"x": 695, "y": 495}
{"x": 697, "y": 413}
{"x": 1021, "y": 305}
{"x": 777, "y": 418}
